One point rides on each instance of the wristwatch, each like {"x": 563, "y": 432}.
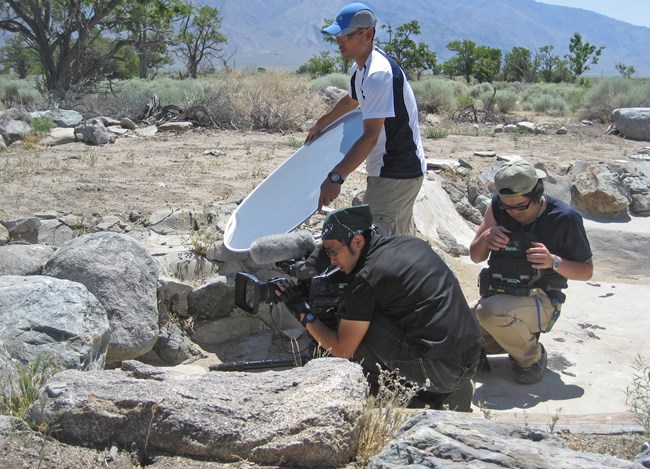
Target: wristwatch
{"x": 556, "y": 262}
{"x": 335, "y": 177}
{"x": 308, "y": 318}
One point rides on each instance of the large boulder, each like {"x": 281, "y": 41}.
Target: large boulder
{"x": 303, "y": 417}
{"x": 124, "y": 278}
{"x": 633, "y": 122}
{"x": 60, "y": 318}
{"x": 598, "y": 191}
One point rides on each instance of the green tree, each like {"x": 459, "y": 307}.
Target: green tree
{"x": 62, "y": 32}
{"x": 463, "y": 63}
{"x": 149, "y": 26}
{"x": 319, "y": 65}
{"x": 199, "y": 39}
{"x": 518, "y": 65}
{"x": 582, "y": 55}
{"x": 625, "y": 71}
{"x": 413, "y": 58}
{"x": 17, "y": 54}
{"x": 487, "y": 63}
{"x": 547, "y": 64}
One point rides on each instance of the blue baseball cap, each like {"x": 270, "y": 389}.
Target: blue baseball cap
{"x": 350, "y": 18}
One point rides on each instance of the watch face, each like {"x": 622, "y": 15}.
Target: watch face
{"x": 335, "y": 177}
{"x": 309, "y": 317}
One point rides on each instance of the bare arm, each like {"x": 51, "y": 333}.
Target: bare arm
{"x": 541, "y": 258}
{"x": 354, "y": 157}
{"x": 489, "y": 237}
{"x": 342, "y": 343}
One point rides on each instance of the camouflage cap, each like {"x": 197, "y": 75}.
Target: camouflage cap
{"x": 343, "y": 223}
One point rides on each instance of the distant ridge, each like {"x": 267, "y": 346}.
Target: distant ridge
{"x": 286, "y": 33}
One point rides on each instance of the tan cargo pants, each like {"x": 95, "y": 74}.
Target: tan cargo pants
{"x": 391, "y": 203}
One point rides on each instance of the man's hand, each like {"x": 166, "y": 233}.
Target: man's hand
{"x": 539, "y": 256}
{"x": 313, "y": 132}
{"x": 329, "y": 191}
{"x": 496, "y": 238}
{"x": 291, "y": 295}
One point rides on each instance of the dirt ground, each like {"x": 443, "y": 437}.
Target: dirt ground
{"x": 201, "y": 167}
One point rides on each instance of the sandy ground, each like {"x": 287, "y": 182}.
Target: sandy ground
{"x": 201, "y": 167}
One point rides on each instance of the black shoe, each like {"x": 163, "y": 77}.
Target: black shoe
{"x": 533, "y": 374}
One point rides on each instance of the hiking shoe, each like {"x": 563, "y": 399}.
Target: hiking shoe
{"x": 533, "y": 374}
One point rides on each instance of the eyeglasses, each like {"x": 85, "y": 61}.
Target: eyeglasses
{"x": 335, "y": 252}
{"x": 520, "y": 207}
{"x": 347, "y": 37}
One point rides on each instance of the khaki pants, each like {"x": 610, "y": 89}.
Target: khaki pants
{"x": 509, "y": 323}
{"x": 391, "y": 203}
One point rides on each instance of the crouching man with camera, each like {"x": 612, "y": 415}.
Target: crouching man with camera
{"x": 521, "y": 291}
{"x": 402, "y": 309}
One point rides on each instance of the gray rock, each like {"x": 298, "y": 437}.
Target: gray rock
{"x": 23, "y": 229}
{"x": 214, "y": 300}
{"x": 178, "y": 126}
{"x": 167, "y": 222}
{"x": 54, "y": 233}
{"x": 172, "y": 298}
{"x": 303, "y": 417}
{"x": 95, "y": 133}
{"x": 633, "y": 122}
{"x": 643, "y": 458}
{"x": 62, "y": 117}
{"x": 128, "y": 123}
{"x": 638, "y": 186}
{"x": 14, "y": 130}
{"x": 448, "y": 440}
{"x": 61, "y": 318}
{"x": 124, "y": 278}
{"x": 174, "y": 347}
{"x": 146, "y": 132}
{"x": 59, "y": 136}
{"x": 24, "y": 259}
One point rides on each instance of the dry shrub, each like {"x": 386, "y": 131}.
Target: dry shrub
{"x": 384, "y": 414}
{"x": 273, "y": 100}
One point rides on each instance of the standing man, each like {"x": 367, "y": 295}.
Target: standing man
{"x": 560, "y": 250}
{"x": 390, "y": 143}
{"x": 402, "y": 310}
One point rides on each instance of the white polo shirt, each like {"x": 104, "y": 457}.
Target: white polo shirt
{"x": 382, "y": 91}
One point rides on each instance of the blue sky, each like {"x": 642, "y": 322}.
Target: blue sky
{"x": 635, "y": 12}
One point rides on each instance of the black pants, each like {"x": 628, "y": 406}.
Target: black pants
{"x": 385, "y": 344}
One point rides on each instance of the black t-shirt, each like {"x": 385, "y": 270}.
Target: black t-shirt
{"x": 559, "y": 228}
{"x": 402, "y": 278}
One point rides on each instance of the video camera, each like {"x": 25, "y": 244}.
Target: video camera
{"x": 321, "y": 291}
{"x": 508, "y": 271}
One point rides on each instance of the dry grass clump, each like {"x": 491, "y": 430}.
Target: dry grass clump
{"x": 384, "y": 414}
{"x": 272, "y": 100}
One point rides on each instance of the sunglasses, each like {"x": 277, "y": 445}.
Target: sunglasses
{"x": 347, "y": 37}
{"x": 520, "y": 207}
{"x": 334, "y": 252}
